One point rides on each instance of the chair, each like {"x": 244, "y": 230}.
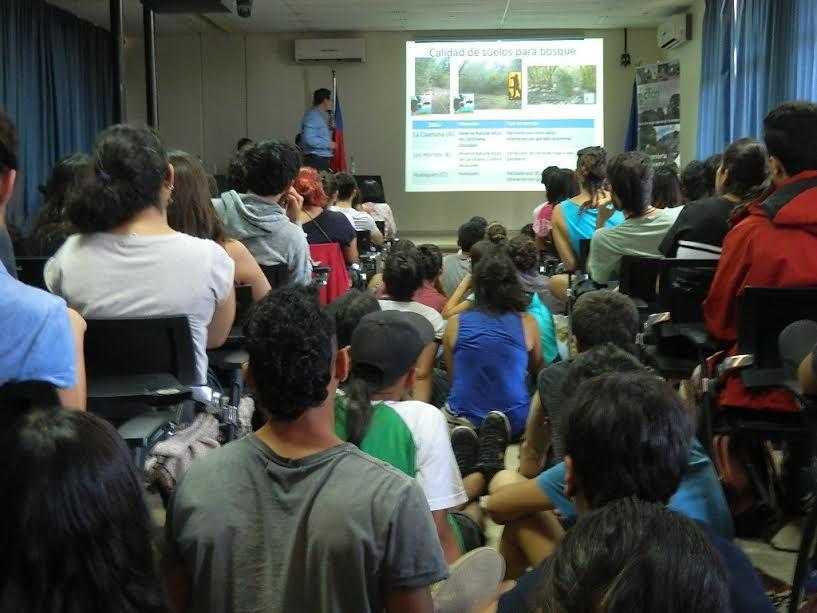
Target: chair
{"x": 765, "y": 312}
{"x": 638, "y": 279}
{"x": 381, "y": 225}
{"x": 674, "y": 338}
{"x": 364, "y": 241}
{"x": 30, "y": 271}
{"x": 584, "y": 254}
{"x": 276, "y": 274}
{"x": 136, "y": 370}
{"x": 338, "y": 281}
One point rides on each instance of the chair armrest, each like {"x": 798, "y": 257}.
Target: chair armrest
{"x": 734, "y": 363}
{"x": 147, "y": 429}
{"x": 228, "y": 359}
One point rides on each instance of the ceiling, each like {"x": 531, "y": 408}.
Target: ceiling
{"x": 396, "y": 15}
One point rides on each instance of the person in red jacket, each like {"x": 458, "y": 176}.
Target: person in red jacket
{"x": 772, "y": 244}
{"x": 775, "y": 242}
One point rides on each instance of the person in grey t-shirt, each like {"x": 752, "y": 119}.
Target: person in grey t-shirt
{"x": 290, "y": 518}
{"x": 457, "y": 265}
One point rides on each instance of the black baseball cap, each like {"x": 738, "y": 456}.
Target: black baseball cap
{"x": 388, "y": 343}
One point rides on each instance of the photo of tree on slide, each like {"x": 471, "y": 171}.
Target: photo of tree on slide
{"x": 432, "y": 76}
{"x": 489, "y": 82}
{"x": 561, "y": 84}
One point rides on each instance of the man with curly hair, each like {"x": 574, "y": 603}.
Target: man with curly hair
{"x": 290, "y": 518}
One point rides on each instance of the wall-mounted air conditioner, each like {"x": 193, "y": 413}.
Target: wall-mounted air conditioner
{"x": 675, "y": 32}
{"x": 330, "y": 50}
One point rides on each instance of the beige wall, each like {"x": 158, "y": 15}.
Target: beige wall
{"x": 214, "y": 89}
{"x": 689, "y": 55}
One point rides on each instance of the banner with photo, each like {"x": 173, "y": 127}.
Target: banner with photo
{"x": 658, "y": 88}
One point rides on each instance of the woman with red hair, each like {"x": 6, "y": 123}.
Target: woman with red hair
{"x": 320, "y": 224}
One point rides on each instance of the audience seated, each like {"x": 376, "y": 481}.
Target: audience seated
{"x": 127, "y": 261}
{"x": 644, "y": 226}
{"x": 490, "y": 349}
{"x": 560, "y": 184}
{"x": 626, "y": 435}
{"x": 773, "y": 244}
{"x": 371, "y": 196}
{"x": 496, "y": 233}
{"x": 42, "y": 340}
{"x": 523, "y": 253}
{"x": 402, "y": 279}
{"x": 332, "y": 528}
{"x": 698, "y": 179}
{"x": 265, "y": 218}
{"x": 457, "y": 265}
{"x": 193, "y": 213}
{"x": 598, "y": 317}
{"x": 463, "y": 297}
{"x": 376, "y": 282}
{"x": 345, "y": 202}
{"x": 51, "y": 227}
{"x": 430, "y": 259}
{"x": 618, "y": 559}
{"x": 374, "y": 413}
{"x": 8, "y": 175}
{"x": 666, "y": 187}
{"x": 77, "y": 534}
{"x": 576, "y": 218}
{"x": 701, "y": 227}
{"x": 320, "y": 224}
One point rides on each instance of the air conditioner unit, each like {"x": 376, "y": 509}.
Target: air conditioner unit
{"x": 675, "y": 32}
{"x": 330, "y": 50}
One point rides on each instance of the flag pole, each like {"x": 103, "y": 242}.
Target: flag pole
{"x": 334, "y": 95}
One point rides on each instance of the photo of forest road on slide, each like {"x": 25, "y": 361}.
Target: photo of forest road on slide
{"x": 489, "y": 82}
{"x": 432, "y": 86}
{"x": 562, "y": 84}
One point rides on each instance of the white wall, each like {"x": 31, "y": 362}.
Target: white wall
{"x": 214, "y": 89}
{"x": 690, "y": 55}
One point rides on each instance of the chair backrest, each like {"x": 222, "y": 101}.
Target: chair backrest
{"x": 638, "y": 277}
{"x": 276, "y": 274}
{"x": 381, "y": 225}
{"x": 364, "y": 241}
{"x": 150, "y": 345}
{"x": 30, "y": 271}
{"x": 338, "y": 281}
{"x": 243, "y": 302}
{"x": 764, "y": 313}
{"x": 584, "y": 253}
{"x": 683, "y": 286}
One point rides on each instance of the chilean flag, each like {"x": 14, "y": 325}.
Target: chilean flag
{"x": 338, "y": 163}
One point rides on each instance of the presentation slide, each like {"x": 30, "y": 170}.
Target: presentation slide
{"x": 490, "y": 115}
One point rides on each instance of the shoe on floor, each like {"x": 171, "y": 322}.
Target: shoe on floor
{"x": 494, "y": 437}
{"x": 465, "y": 443}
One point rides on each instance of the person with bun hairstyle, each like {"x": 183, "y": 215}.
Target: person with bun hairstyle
{"x": 266, "y": 217}
{"x": 126, "y": 260}
{"x": 193, "y": 213}
{"x": 630, "y": 175}
{"x": 702, "y": 225}
{"x": 576, "y": 218}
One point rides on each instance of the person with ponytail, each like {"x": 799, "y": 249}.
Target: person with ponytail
{"x": 630, "y": 175}
{"x": 702, "y": 225}
{"x": 576, "y": 218}
{"x": 126, "y": 260}
{"x": 375, "y": 412}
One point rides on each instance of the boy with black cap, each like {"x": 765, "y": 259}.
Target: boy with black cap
{"x": 373, "y": 413}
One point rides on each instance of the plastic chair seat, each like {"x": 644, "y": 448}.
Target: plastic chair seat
{"x": 160, "y": 389}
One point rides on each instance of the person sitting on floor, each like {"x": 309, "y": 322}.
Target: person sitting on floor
{"x": 457, "y": 265}
{"x": 127, "y": 261}
{"x": 560, "y": 184}
{"x": 627, "y": 434}
{"x": 644, "y": 226}
{"x": 490, "y": 349}
{"x": 332, "y": 528}
{"x": 266, "y": 218}
{"x": 430, "y": 259}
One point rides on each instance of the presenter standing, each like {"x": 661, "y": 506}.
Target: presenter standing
{"x": 316, "y": 137}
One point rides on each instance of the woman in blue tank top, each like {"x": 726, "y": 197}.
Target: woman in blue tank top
{"x": 576, "y": 218}
{"x": 490, "y": 349}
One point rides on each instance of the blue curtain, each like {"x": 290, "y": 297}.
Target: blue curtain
{"x": 56, "y": 84}
{"x": 756, "y": 54}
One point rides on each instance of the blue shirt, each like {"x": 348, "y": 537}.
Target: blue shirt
{"x": 316, "y": 139}
{"x": 583, "y": 225}
{"x": 699, "y": 496}
{"x": 36, "y": 342}
{"x": 490, "y": 368}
